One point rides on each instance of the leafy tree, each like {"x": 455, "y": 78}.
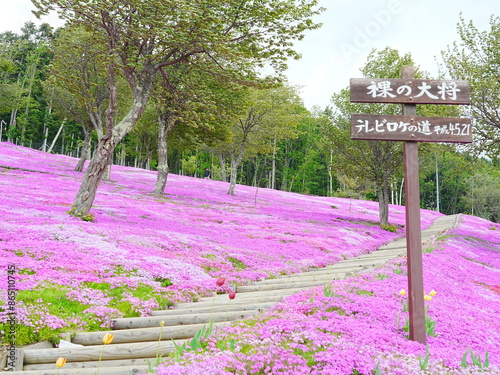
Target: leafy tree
{"x": 454, "y": 169}
{"x": 139, "y": 38}
{"x": 483, "y": 196}
{"x": 476, "y": 58}
{"x": 375, "y": 161}
{"x": 270, "y": 116}
{"x": 9, "y": 90}
{"x": 79, "y": 84}
{"x": 194, "y": 106}
{"x": 30, "y": 55}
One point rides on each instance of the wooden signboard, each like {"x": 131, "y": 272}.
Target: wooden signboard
{"x": 410, "y": 91}
{"x": 410, "y": 128}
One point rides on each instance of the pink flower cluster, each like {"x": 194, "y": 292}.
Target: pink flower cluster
{"x": 179, "y": 244}
{"x": 176, "y": 244}
{"x": 357, "y": 327}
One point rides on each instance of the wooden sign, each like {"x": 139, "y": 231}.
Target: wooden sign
{"x": 411, "y": 91}
{"x": 410, "y": 128}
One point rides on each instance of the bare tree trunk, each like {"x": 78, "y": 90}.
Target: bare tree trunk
{"x": 233, "y": 173}
{"x": 330, "y": 175}
{"x": 165, "y": 126}
{"x": 85, "y": 151}
{"x": 273, "y": 168}
{"x": 103, "y": 155}
{"x": 222, "y": 161}
{"x": 235, "y": 163}
{"x": 97, "y": 168}
{"x": 383, "y": 199}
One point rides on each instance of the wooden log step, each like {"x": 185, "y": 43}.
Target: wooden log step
{"x": 345, "y": 268}
{"x": 221, "y": 303}
{"x": 233, "y": 306}
{"x": 93, "y": 364}
{"x": 123, "y": 370}
{"x": 170, "y": 320}
{"x": 392, "y": 252}
{"x": 367, "y": 261}
{"x": 109, "y": 352}
{"x": 302, "y": 276}
{"x": 175, "y": 332}
{"x": 304, "y": 283}
{"x": 247, "y": 297}
{"x": 256, "y": 296}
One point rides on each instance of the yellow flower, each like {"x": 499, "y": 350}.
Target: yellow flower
{"x": 162, "y": 323}
{"x": 60, "y": 362}
{"x": 108, "y": 338}
{"x": 427, "y": 297}
{"x": 432, "y": 293}
{"x": 402, "y": 292}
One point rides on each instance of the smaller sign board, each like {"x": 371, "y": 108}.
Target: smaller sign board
{"x": 411, "y": 128}
{"x": 410, "y": 91}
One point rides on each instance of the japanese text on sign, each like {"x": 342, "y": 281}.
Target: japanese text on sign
{"x": 415, "y": 91}
{"x": 384, "y": 89}
{"x": 430, "y": 129}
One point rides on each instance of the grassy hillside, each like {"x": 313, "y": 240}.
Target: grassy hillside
{"x": 143, "y": 253}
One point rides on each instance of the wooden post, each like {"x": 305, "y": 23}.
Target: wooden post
{"x": 413, "y": 230}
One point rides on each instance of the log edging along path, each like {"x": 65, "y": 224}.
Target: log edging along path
{"x": 137, "y": 341}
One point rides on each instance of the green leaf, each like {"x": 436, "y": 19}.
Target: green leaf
{"x": 486, "y": 360}
{"x": 463, "y": 363}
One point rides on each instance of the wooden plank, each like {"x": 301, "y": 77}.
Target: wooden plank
{"x": 93, "y": 364}
{"x": 146, "y": 333}
{"x": 123, "y": 370}
{"x": 223, "y": 303}
{"x": 411, "y": 128}
{"x": 411, "y": 91}
{"x": 120, "y": 323}
{"x": 19, "y": 359}
{"x": 301, "y": 283}
{"x": 302, "y": 277}
{"x": 179, "y": 319}
{"x": 92, "y": 353}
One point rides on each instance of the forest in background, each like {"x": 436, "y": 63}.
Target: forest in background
{"x": 55, "y": 97}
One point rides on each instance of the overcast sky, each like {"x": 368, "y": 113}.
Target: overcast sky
{"x": 351, "y": 29}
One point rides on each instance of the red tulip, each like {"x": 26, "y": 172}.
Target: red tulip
{"x": 232, "y": 295}
{"x": 220, "y": 281}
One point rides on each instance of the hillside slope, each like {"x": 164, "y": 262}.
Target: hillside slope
{"x": 143, "y": 253}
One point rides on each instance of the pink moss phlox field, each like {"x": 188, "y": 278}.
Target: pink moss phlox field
{"x": 356, "y": 325}
{"x": 176, "y": 244}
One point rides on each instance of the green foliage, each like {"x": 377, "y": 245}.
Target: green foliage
{"x": 389, "y": 227}
{"x": 368, "y": 161}
{"x": 425, "y": 361}
{"x": 237, "y": 263}
{"x": 197, "y": 343}
{"x": 398, "y": 270}
{"x": 476, "y": 360}
{"x": 52, "y": 300}
{"x": 430, "y": 326}
{"x": 189, "y": 165}
{"x": 164, "y": 282}
{"x": 329, "y": 292}
{"x": 83, "y": 216}
{"x": 475, "y": 58}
